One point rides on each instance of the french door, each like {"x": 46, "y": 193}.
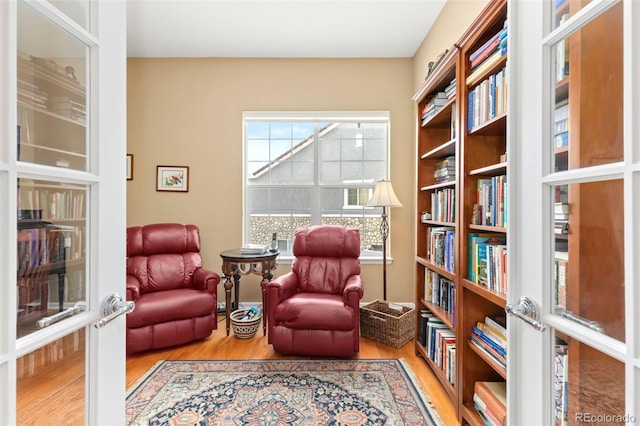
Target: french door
{"x": 574, "y": 149}
{"x": 62, "y": 214}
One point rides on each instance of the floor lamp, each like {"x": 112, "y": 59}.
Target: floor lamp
{"x": 383, "y": 196}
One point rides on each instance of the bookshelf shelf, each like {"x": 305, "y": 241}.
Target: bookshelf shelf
{"x": 488, "y": 228}
{"x": 497, "y": 367}
{"x": 438, "y": 185}
{"x": 446, "y": 149}
{"x": 493, "y": 297}
{"x": 495, "y": 127}
{"x": 493, "y": 169}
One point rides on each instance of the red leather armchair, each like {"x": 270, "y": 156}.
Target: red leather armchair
{"x": 175, "y": 298}
{"x": 314, "y": 309}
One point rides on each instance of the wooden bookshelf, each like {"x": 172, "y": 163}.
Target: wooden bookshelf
{"x": 478, "y": 142}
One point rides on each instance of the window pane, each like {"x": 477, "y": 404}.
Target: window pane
{"x": 51, "y": 270}
{"x": 589, "y": 255}
{"x": 596, "y": 88}
{"x": 52, "y": 103}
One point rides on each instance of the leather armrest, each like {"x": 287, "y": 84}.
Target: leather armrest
{"x": 204, "y": 279}
{"x": 283, "y": 286}
{"x": 353, "y": 291}
{"x": 133, "y": 288}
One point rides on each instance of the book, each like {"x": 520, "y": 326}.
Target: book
{"x": 494, "y": 395}
{"x": 498, "y": 323}
{"x": 487, "y": 415}
{"x": 253, "y": 249}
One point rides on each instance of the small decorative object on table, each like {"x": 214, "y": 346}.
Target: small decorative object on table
{"x": 246, "y": 322}
{"x": 393, "y": 325}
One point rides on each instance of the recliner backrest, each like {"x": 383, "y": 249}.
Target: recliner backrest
{"x": 325, "y": 257}
{"x": 163, "y": 256}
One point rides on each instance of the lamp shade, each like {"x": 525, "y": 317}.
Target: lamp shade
{"x": 383, "y": 195}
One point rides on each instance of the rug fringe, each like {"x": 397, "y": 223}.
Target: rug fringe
{"x": 142, "y": 379}
{"x": 423, "y": 394}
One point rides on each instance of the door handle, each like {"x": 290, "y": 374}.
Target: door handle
{"x": 47, "y": 321}
{"x": 112, "y": 307}
{"x": 526, "y": 310}
{"x": 593, "y": 325}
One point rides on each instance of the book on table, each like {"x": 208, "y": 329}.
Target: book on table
{"x": 254, "y": 249}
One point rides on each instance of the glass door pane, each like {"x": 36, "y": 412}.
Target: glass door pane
{"x": 51, "y": 86}
{"x": 51, "y": 270}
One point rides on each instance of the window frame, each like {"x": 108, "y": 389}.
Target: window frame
{"x": 316, "y": 187}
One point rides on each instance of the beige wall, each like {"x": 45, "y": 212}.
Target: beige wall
{"x": 188, "y": 112}
{"x": 454, "y": 19}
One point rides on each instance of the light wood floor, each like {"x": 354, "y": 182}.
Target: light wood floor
{"x": 222, "y": 347}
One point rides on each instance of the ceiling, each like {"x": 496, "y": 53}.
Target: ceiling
{"x": 279, "y": 28}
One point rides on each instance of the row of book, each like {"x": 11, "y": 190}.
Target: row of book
{"x": 39, "y": 246}
{"x": 492, "y": 202}
{"x": 488, "y": 55}
{"x": 441, "y": 247}
{"x": 487, "y": 260}
{"x": 439, "y": 342}
{"x": 489, "y": 337}
{"x": 443, "y": 205}
{"x": 562, "y": 53}
{"x": 54, "y": 204}
{"x": 440, "y": 291}
{"x": 561, "y": 383}
{"x": 487, "y": 100}
{"x": 490, "y": 401}
{"x": 561, "y": 124}
{"x": 445, "y": 170}
{"x": 560, "y": 265}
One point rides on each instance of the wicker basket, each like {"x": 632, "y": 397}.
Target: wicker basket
{"x": 244, "y": 329}
{"x": 388, "y": 325}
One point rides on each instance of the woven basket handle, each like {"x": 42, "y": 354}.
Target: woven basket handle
{"x": 375, "y": 317}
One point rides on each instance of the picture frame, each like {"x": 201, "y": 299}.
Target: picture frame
{"x": 172, "y": 178}
{"x": 129, "y": 166}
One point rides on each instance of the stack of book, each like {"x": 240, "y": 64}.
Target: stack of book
{"x": 450, "y": 90}
{"x": 490, "y": 401}
{"x": 31, "y": 94}
{"x": 490, "y": 338}
{"x": 69, "y": 108}
{"x": 433, "y": 106}
{"x": 254, "y": 249}
{"x": 445, "y": 170}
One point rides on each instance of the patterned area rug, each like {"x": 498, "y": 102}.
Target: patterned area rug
{"x": 280, "y": 393}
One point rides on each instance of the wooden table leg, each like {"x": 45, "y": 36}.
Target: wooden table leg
{"x": 263, "y": 284}
{"x": 227, "y": 298}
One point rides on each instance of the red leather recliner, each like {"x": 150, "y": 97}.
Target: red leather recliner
{"x": 175, "y": 298}
{"x": 314, "y": 309}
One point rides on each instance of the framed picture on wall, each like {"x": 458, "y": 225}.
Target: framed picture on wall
{"x": 129, "y": 166}
{"x": 172, "y": 178}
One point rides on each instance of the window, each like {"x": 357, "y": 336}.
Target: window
{"x": 313, "y": 168}
{"x": 356, "y": 197}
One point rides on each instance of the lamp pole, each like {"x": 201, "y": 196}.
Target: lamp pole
{"x": 384, "y": 232}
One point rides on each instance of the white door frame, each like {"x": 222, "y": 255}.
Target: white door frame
{"x": 530, "y": 351}
{"x": 105, "y": 347}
